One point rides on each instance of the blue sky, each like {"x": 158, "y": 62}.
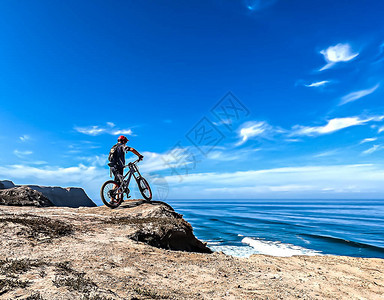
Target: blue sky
{"x": 305, "y": 78}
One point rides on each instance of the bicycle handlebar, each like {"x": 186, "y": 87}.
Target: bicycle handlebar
{"x": 135, "y": 162}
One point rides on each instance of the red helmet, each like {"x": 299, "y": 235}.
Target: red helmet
{"x": 122, "y": 139}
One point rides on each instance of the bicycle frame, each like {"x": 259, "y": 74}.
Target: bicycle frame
{"x": 133, "y": 169}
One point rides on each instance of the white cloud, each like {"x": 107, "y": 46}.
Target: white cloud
{"x": 317, "y": 84}
{"x": 357, "y": 95}
{"x": 124, "y": 131}
{"x": 97, "y": 130}
{"x": 337, "y": 53}
{"x": 335, "y": 181}
{"x": 22, "y": 154}
{"x": 381, "y": 129}
{"x": 24, "y": 138}
{"x": 255, "y": 129}
{"x": 153, "y": 162}
{"x": 333, "y": 125}
{"x": 223, "y": 122}
{"x": 177, "y": 158}
{"x": 90, "y": 130}
{"x": 367, "y": 140}
{"x": 374, "y": 148}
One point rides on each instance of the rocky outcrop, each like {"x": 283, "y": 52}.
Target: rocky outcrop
{"x": 67, "y": 197}
{"x": 23, "y": 196}
{"x": 164, "y": 228}
{"x": 89, "y": 253}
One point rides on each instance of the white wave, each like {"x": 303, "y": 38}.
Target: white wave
{"x": 212, "y": 243}
{"x": 236, "y": 251}
{"x": 277, "y": 248}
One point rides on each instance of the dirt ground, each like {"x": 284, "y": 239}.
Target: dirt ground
{"x": 69, "y": 253}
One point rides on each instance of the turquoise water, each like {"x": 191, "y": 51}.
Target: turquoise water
{"x": 288, "y": 227}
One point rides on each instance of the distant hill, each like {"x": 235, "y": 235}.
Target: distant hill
{"x": 67, "y": 197}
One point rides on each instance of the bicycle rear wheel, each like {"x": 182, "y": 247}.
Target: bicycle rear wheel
{"x": 144, "y": 188}
{"x": 110, "y": 195}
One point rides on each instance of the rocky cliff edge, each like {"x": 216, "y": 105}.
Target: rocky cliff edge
{"x": 99, "y": 253}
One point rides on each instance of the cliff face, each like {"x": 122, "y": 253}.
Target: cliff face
{"x": 58, "y": 196}
{"x": 66, "y": 197}
{"x": 99, "y": 253}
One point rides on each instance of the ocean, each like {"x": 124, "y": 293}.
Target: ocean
{"x": 288, "y": 227}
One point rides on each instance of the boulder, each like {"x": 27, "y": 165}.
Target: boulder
{"x": 23, "y": 196}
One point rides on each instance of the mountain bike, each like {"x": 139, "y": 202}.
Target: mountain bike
{"x": 112, "y": 193}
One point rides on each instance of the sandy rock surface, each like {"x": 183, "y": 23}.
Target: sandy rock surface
{"x": 84, "y": 253}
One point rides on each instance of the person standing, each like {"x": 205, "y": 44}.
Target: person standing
{"x": 117, "y": 157}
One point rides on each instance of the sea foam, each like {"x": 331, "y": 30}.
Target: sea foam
{"x": 259, "y": 246}
{"x": 277, "y": 248}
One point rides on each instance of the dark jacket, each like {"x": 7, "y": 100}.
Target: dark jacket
{"x": 120, "y": 155}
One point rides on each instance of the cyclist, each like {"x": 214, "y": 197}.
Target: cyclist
{"x": 117, "y": 157}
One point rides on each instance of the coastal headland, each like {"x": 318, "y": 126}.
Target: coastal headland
{"x": 126, "y": 253}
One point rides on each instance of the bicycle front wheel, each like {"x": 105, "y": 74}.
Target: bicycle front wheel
{"x": 145, "y": 189}
{"x": 110, "y": 194}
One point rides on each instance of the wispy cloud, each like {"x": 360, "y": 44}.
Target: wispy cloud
{"x": 357, "y": 95}
{"x": 98, "y": 130}
{"x": 122, "y": 131}
{"x": 254, "y": 129}
{"x": 223, "y": 122}
{"x": 90, "y": 130}
{"x": 326, "y": 153}
{"x": 368, "y": 140}
{"x": 24, "y": 138}
{"x": 256, "y": 5}
{"x": 178, "y": 158}
{"x": 374, "y": 148}
{"x": 22, "y": 154}
{"x": 380, "y": 56}
{"x": 226, "y": 154}
{"x": 95, "y": 160}
{"x": 332, "y": 125}
{"x": 336, "y": 54}
{"x": 317, "y": 84}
